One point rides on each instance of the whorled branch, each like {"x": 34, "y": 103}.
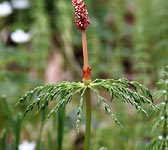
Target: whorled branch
{"x": 128, "y": 91}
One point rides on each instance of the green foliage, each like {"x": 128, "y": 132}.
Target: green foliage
{"x": 63, "y": 23}
{"x": 142, "y": 38}
{"x": 3, "y": 140}
{"x": 120, "y": 89}
{"x": 13, "y": 57}
{"x": 15, "y": 124}
{"x": 96, "y": 51}
{"x": 50, "y": 142}
{"x": 41, "y": 39}
{"x": 112, "y": 137}
{"x": 161, "y": 36}
{"x": 117, "y": 11}
{"x": 160, "y": 142}
{"x": 150, "y": 39}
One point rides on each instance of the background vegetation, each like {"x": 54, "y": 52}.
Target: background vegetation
{"x": 127, "y": 38}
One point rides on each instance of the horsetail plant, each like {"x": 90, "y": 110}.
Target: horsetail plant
{"x": 160, "y": 142}
{"x": 127, "y": 91}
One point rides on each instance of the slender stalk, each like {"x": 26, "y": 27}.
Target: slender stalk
{"x": 88, "y": 121}
{"x": 84, "y": 43}
{"x": 86, "y": 68}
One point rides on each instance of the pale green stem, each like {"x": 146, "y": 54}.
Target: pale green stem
{"x": 88, "y": 121}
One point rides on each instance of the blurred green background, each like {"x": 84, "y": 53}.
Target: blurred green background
{"x": 39, "y": 43}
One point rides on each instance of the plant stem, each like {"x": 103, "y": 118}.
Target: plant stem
{"x": 86, "y": 80}
{"x": 86, "y": 68}
{"x": 88, "y": 121}
{"x": 84, "y": 43}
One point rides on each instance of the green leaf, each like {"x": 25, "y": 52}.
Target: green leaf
{"x": 3, "y": 140}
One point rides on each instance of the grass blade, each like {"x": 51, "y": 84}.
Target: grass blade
{"x": 3, "y": 140}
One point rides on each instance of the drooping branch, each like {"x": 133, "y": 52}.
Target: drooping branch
{"x": 120, "y": 89}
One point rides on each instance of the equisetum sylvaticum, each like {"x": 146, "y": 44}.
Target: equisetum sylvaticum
{"x": 122, "y": 89}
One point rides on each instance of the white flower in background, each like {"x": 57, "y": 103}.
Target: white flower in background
{"x": 163, "y": 103}
{"x": 20, "y": 4}
{"x": 160, "y": 137}
{"x": 5, "y": 9}
{"x": 162, "y": 117}
{"x": 19, "y": 36}
{"x": 25, "y": 145}
{"x": 103, "y": 148}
